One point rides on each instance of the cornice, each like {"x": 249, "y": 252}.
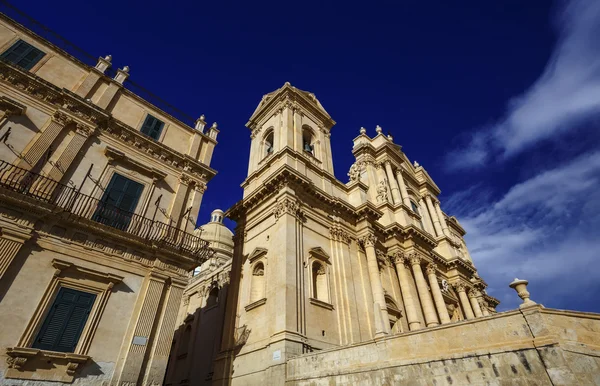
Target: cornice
{"x": 86, "y": 112}
{"x": 286, "y": 175}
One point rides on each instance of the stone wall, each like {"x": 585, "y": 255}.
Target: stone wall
{"x": 535, "y": 346}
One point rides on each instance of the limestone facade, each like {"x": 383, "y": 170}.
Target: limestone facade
{"x": 319, "y": 263}
{"x": 99, "y": 192}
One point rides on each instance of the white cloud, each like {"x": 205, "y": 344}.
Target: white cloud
{"x": 545, "y": 229}
{"x": 565, "y": 95}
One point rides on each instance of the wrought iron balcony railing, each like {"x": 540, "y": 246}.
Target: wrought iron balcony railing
{"x": 72, "y": 201}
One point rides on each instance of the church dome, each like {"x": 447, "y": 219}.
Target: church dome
{"x": 216, "y": 233}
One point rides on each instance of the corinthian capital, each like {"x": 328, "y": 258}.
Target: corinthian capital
{"x": 415, "y": 258}
{"x": 84, "y": 130}
{"x": 399, "y": 258}
{"x": 460, "y": 287}
{"x": 368, "y": 240}
{"x": 61, "y": 118}
{"x": 286, "y": 206}
{"x": 431, "y": 269}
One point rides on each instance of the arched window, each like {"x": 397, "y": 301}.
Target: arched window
{"x": 319, "y": 281}
{"x": 213, "y": 297}
{"x": 257, "y": 285}
{"x": 308, "y": 140}
{"x": 268, "y": 143}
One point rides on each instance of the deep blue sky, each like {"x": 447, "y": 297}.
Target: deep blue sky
{"x": 440, "y": 76}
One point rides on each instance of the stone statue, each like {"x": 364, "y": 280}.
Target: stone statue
{"x": 354, "y": 172}
{"x": 382, "y": 191}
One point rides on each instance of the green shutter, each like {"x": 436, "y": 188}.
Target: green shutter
{"x": 118, "y": 202}
{"x": 65, "y": 321}
{"x": 152, "y": 127}
{"x": 23, "y": 55}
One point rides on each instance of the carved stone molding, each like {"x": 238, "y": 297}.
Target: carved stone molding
{"x": 400, "y": 258}
{"x": 460, "y": 287}
{"x": 84, "y": 130}
{"x": 431, "y": 269}
{"x": 415, "y": 258}
{"x": 339, "y": 234}
{"x": 368, "y": 240}
{"x": 286, "y": 206}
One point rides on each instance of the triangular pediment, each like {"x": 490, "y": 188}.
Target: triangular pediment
{"x": 319, "y": 252}
{"x": 256, "y": 253}
{"x": 309, "y": 98}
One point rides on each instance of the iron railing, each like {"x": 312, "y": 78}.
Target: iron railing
{"x": 72, "y": 201}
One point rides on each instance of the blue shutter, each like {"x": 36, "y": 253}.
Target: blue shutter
{"x": 152, "y": 127}
{"x": 23, "y": 55}
{"x": 65, "y": 321}
{"x": 118, "y": 202}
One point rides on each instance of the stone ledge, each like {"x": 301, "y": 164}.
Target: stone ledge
{"x": 255, "y": 304}
{"x": 320, "y": 303}
{"x": 32, "y": 363}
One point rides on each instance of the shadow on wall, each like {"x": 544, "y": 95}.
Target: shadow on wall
{"x": 197, "y": 341}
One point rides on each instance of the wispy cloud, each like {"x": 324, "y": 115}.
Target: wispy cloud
{"x": 544, "y": 229}
{"x": 564, "y": 96}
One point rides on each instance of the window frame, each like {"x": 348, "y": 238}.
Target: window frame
{"x": 69, "y": 275}
{"x": 30, "y": 48}
{"x": 159, "y": 130}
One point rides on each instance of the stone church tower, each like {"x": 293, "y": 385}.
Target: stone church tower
{"x": 319, "y": 263}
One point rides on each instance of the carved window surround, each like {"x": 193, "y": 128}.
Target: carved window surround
{"x": 255, "y": 304}
{"x": 115, "y": 155}
{"x": 24, "y": 361}
{"x": 256, "y": 254}
{"x": 11, "y": 107}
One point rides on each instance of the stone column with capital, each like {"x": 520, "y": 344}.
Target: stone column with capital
{"x": 427, "y": 223}
{"x": 403, "y": 191}
{"x": 376, "y": 287}
{"x": 434, "y": 217}
{"x": 473, "y": 297}
{"x": 382, "y": 182}
{"x": 80, "y": 136}
{"x": 484, "y": 307}
{"x": 426, "y": 302}
{"x": 393, "y": 184}
{"x": 464, "y": 300}
{"x": 442, "y": 218}
{"x": 438, "y": 298}
{"x": 407, "y": 295}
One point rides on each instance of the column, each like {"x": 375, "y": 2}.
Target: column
{"x": 403, "y": 191}
{"x": 474, "y": 302}
{"x": 464, "y": 301}
{"x": 160, "y": 351}
{"x": 442, "y": 218}
{"x": 394, "y": 185}
{"x": 434, "y": 217}
{"x": 425, "y": 216}
{"x": 376, "y": 286}
{"x": 407, "y": 295}
{"x": 297, "y": 144}
{"x": 140, "y": 340}
{"x": 82, "y": 133}
{"x": 484, "y": 307}
{"x": 44, "y": 141}
{"x": 428, "y": 309}
{"x": 438, "y": 298}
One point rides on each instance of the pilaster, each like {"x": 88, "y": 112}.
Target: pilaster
{"x": 394, "y": 185}
{"x": 41, "y": 145}
{"x": 434, "y": 217}
{"x": 10, "y": 244}
{"x": 403, "y": 191}
{"x": 80, "y": 136}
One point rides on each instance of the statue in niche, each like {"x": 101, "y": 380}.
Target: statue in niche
{"x": 453, "y": 312}
{"x": 382, "y": 191}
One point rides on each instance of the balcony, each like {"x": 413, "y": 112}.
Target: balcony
{"x": 70, "y": 200}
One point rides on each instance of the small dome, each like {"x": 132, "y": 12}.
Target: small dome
{"x": 216, "y": 233}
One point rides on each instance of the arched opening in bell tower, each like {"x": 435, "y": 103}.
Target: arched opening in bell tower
{"x": 308, "y": 140}
{"x": 268, "y": 143}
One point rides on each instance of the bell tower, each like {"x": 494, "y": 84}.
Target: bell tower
{"x": 289, "y": 126}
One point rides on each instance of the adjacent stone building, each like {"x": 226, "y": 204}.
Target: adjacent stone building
{"x": 99, "y": 192}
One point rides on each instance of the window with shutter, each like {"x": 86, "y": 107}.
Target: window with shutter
{"x": 23, "y": 55}
{"x": 117, "y": 206}
{"x": 152, "y": 127}
{"x": 65, "y": 321}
